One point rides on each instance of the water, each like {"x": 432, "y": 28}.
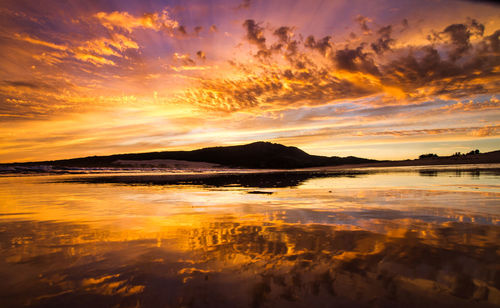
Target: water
{"x": 402, "y": 237}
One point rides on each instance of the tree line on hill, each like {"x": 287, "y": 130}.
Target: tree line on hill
{"x": 457, "y": 154}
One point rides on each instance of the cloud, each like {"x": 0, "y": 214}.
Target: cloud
{"x": 182, "y": 30}
{"x": 284, "y": 34}
{"x": 459, "y": 36}
{"x": 405, "y": 24}
{"x": 108, "y": 46}
{"x": 39, "y": 100}
{"x": 426, "y": 68}
{"x": 197, "y": 30}
{"x": 245, "y": 4}
{"x": 491, "y": 104}
{"x": 94, "y": 59}
{"x": 355, "y": 60}
{"x": 22, "y": 84}
{"x": 201, "y": 55}
{"x": 36, "y": 41}
{"x": 493, "y": 42}
{"x": 287, "y": 45}
{"x": 471, "y": 131}
{"x": 159, "y": 21}
{"x": 485, "y": 131}
{"x": 345, "y": 72}
{"x": 183, "y": 58}
{"x": 384, "y": 42}
{"x": 51, "y": 58}
{"x": 275, "y": 88}
{"x": 295, "y": 73}
{"x": 255, "y": 36}
{"x": 363, "y": 23}
{"x": 95, "y": 51}
{"x": 323, "y": 45}
{"x": 183, "y": 68}
{"x": 187, "y": 63}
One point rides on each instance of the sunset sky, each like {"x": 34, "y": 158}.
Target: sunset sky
{"x": 376, "y": 79}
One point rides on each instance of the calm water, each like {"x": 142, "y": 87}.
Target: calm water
{"x": 400, "y": 238}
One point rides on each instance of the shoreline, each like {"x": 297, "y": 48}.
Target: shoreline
{"x": 403, "y": 166}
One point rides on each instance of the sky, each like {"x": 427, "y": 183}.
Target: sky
{"x": 377, "y": 79}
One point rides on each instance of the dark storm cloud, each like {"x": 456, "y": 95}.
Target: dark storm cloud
{"x": 355, "y": 60}
{"x": 255, "y": 33}
{"x": 322, "y": 45}
{"x": 286, "y": 44}
{"x": 452, "y": 75}
{"x": 255, "y": 36}
{"x": 460, "y": 37}
{"x": 415, "y": 71}
{"x": 493, "y": 42}
{"x": 384, "y": 41}
{"x": 283, "y": 34}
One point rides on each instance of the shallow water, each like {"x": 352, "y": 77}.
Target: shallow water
{"x": 418, "y": 237}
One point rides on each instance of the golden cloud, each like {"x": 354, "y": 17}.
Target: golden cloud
{"x": 159, "y": 21}
{"x": 97, "y": 60}
{"x": 36, "y": 41}
{"x": 485, "y": 131}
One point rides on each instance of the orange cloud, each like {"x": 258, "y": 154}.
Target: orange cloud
{"x": 36, "y": 41}
{"x": 109, "y": 47}
{"x": 493, "y": 103}
{"x": 190, "y": 68}
{"x": 97, "y": 60}
{"x": 92, "y": 51}
{"x": 50, "y": 58}
{"x": 159, "y": 21}
{"x": 485, "y": 131}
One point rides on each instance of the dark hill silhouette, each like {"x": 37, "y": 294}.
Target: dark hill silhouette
{"x": 264, "y": 155}
{"x": 257, "y": 155}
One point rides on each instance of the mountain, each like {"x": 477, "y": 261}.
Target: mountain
{"x": 264, "y": 155}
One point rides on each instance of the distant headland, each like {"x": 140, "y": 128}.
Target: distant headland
{"x": 257, "y": 155}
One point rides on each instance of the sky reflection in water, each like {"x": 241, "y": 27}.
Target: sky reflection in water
{"x": 406, "y": 238}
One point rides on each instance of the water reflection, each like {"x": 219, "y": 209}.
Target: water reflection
{"x": 277, "y": 179}
{"x": 372, "y": 240}
{"x": 475, "y": 174}
{"x": 257, "y": 179}
{"x": 428, "y": 173}
{"x": 228, "y": 263}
